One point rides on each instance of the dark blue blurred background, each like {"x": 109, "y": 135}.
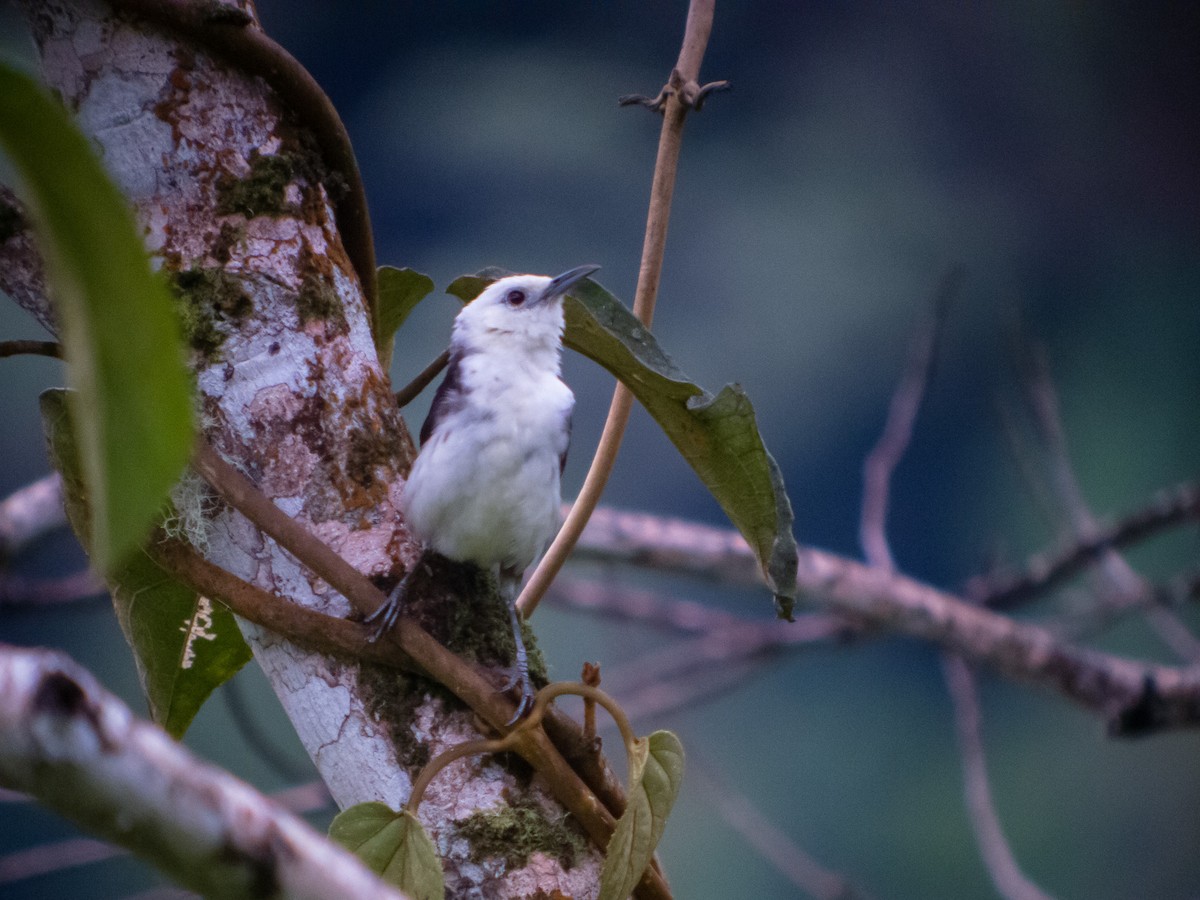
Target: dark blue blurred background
{"x": 1049, "y": 149}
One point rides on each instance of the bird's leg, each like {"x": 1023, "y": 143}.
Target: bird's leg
{"x": 384, "y": 618}
{"x": 509, "y": 582}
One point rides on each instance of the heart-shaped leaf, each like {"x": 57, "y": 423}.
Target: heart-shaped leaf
{"x": 394, "y": 846}
{"x": 400, "y": 290}
{"x": 655, "y": 773}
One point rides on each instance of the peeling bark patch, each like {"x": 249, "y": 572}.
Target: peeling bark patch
{"x": 514, "y": 832}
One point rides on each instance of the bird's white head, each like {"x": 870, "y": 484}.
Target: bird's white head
{"x": 517, "y": 313}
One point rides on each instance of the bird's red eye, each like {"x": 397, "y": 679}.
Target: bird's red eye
{"x": 515, "y": 298}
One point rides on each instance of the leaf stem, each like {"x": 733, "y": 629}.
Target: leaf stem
{"x": 675, "y": 110}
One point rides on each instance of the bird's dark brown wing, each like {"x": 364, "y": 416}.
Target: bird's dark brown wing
{"x": 447, "y": 400}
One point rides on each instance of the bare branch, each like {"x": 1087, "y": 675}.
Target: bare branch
{"x": 1010, "y": 882}
{"x": 1004, "y": 589}
{"x": 80, "y": 751}
{"x": 30, "y": 512}
{"x": 16, "y": 591}
{"x": 1136, "y": 698}
{"x": 881, "y": 462}
{"x": 1117, "y": 582}
{"x": 43, "y": 859}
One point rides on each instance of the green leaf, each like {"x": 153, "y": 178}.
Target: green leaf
{"x": 185, "y": 645}
{"x": 394, "y": 846}
{"x": 717, "y": 435}
{"x": 655, "y": 773}
{"x": 400, "y": 290}
{"x": 120, "y": 334}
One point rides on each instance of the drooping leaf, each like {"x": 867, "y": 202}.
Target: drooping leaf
{"x": 185, "y": 645}
{"x": 655, "y": 773}
{"x": 400, "y": 290}
{"x": 120, "y": 334}
{"x": 394, "y": 846}
{"x": 718, "y": 435}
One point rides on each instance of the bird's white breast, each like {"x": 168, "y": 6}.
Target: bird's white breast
{"x": 485, "y": 487}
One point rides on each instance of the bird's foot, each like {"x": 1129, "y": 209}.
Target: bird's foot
{"x": 384, "y": 619}
{"x": 520, "y": 670}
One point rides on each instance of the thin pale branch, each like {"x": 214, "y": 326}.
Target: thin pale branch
{"x": 30, "y": 512}
{"x": 662, "y": 188}
{"x": 1004, "y": 589}
{"x": 1117, "y": 582}
{"x": 45, "y": 859}
{"x": 897, "y": 433}
{"x": 881, "y": 463}
{"x": 1010, "y": 882}
{"x": 1136, "y": 698}
{"x": 81, "y": 752}
{"x": 17, "y": 591}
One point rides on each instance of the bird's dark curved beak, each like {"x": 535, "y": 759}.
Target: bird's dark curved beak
{"x": 560, "y": 285}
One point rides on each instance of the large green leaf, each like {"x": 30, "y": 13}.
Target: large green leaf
{"x": 133, "y": 408}
{"x": 185, "y": 645}
{"x": 394, "y": 846}
{"x": 718, "y": 435}
{"x": 400, "y": 290}
{"x": 655, "y": 773}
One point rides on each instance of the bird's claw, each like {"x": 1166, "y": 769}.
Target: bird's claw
{"x": 525, "y": 704}
{"x": 382, "y": 620}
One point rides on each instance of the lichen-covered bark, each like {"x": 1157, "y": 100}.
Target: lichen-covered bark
{"x": 233, "y": 199}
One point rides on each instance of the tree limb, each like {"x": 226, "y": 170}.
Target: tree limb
{"x": 80, "y": 751}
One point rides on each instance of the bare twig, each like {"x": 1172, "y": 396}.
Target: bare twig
{"x": 80, "y": 751}
{"x": 1129, "y": 693}
{"x": 1010, "y": 882}
{"x": 882, "y": 461}
{"x": 695, "y": 40}
{"x": 623, "y": 602}
{"x": 897, "y": 432}
{"x": 29, "y": 512}
{"x": 771, "y": 843}
{"x": 412, "y": 390}
{"x": 721, "y": 647}
{"x": 1117, "y": 583}
{"x": 1005, "y": 589}
{"x": 17, "y": 591}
